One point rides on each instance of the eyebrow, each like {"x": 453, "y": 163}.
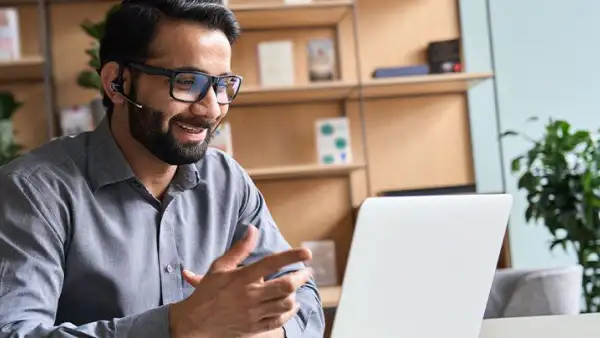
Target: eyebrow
{"x": 194, "y": 69}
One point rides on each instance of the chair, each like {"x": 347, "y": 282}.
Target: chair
{"x": 522, "y": 293}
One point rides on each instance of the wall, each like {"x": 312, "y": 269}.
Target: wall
{"x": 544, "y": 67}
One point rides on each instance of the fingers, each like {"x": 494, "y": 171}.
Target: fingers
{"x": 272, "y": 264}
{"x": 275, "y": 322}
{"x": 191, "y": 278}
{"x": 275, "y": 307}
{"x": 283, "y": 286}
{"x": 240, "y": 251}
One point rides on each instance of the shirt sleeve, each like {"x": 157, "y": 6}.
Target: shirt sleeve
{"x": 310, "y": 320}
{"x": 32, "y": 259}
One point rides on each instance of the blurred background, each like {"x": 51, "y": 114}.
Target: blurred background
{"x": 345, "y": 99}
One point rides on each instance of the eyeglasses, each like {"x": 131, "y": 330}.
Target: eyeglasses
{"x": 192, "y": 86}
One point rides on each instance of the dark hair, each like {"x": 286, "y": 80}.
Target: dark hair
{"x": 130, "y": 30}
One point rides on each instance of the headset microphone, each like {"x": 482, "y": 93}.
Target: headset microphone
{"x": 118, "y": 88}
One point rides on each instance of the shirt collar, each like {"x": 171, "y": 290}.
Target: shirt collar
{"x": 107, "y": 165}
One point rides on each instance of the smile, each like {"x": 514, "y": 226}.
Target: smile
{"x": 190, "y": 129}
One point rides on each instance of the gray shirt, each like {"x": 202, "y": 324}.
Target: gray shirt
{"x": 87, "y": 251}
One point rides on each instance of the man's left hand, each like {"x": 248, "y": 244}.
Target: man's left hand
{"x": 194, "y": 279}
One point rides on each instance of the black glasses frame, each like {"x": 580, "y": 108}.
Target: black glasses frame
{"x": 172, "y": 74}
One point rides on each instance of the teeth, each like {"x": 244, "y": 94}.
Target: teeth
{"x": 190, "y": 128}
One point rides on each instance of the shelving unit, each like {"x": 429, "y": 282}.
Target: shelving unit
{"x": 420, "y": 85}
{"x": 28, "y": 69}
{"x": 303, "y": 171}
{"x": 326, "y": 91}
{"x": 254, "y": 16}
{"x": 409, "y": 132}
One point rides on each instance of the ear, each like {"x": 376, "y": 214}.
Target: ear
{"x": 109, "y": 73}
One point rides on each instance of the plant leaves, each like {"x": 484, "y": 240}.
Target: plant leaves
{"x": 515, "y": 165}
{"x": 8, "y": 105}
{"x": 89, "y": 79}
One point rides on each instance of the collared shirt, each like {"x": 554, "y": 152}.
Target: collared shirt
{"x": 87, "y": 251}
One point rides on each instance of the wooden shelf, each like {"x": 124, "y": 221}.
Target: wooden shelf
{"x": 319, "y": 13}
{"x": 420, "y": 85}
{"x": 26, "y": 69}
{"x": 330, "y": 296}
{"x": 303, "y": 171}
{"x": 318, "y": 91}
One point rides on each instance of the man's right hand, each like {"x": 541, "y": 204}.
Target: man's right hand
{"x": 232, "y": 301}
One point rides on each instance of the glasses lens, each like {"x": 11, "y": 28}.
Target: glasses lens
{"x": 189, "y": 86}
{"x": 227, "y": 88}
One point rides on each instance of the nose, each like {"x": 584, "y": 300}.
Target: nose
{"x": 208, "y": 107}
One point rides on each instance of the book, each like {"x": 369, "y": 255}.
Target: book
{"x": 10, "y": 43}
{"x": 276, "y": 63}
{"x": 400, "y": 71}
{"x": 333, "y": 141}
{"x": 321, "y": 59}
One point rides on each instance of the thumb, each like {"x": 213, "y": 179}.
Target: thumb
{"x": 237, "y": 253}
{"x": 192, "y": 278}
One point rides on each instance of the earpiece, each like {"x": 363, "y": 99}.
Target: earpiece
{"x": 117, "y": 87}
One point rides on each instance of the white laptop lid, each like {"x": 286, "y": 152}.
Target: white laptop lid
{"x": 421, "y": 267}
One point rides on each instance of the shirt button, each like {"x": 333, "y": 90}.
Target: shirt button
{"x": 169, "y": 268}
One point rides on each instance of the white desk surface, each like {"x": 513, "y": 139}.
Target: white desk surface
{"x": 575, "y": 326}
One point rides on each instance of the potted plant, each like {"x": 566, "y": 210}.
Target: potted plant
{"x": 89, "y": 78}
{"x": 560, "y": 172}
{"x": 9, "y": 149}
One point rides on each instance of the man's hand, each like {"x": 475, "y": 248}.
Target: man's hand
{"x": 194, "y": 280}
{"x": 237, "y": 302}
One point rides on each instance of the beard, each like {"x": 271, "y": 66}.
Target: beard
{"x": 146, "y": 126}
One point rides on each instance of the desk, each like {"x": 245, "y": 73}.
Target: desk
{"x": 570, "y": 326}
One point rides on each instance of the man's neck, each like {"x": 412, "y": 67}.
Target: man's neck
{"x": 152, "y": 172}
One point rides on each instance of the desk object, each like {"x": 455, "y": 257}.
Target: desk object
{"x": 565, "y": 326}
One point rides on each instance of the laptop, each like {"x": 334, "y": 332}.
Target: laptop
{"x": 421, "y": 266}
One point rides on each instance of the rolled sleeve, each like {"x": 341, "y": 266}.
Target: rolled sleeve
{"x": 32, "y": 258}
{"x": 308, "y": 323}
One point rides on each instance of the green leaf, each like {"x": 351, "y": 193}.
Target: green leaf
{"x": 530, "y": 213}
{"x": 563, "y": 126}
{"x": 90, "y": 79}
{"x": 8, "y": 105}
{"x": 515, "y": 165}
{"x": 527, "y": 181}
{"x": 93, "y": 30}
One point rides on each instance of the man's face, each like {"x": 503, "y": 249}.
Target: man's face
{"x": 178, "y": 132}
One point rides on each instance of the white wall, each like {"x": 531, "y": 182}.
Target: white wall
{"x": 543, "y": 53}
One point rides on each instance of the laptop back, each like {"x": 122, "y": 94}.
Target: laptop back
{"x": 421, "y": 267}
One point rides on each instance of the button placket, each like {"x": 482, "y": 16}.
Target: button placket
{"x": 171, "y": 281}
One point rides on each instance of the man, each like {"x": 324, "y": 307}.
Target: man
{"x": 138, "y": 229}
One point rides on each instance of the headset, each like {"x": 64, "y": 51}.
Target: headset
{"x": 117, "y": 86}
